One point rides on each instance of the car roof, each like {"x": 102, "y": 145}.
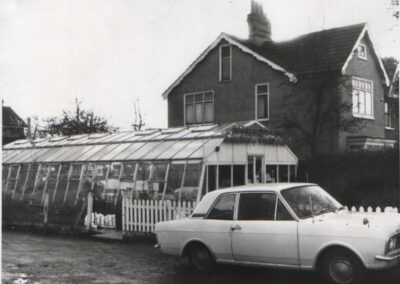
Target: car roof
{"x": 210, "y": 197}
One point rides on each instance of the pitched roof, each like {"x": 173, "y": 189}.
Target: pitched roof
{"x": 10, "y": 118}
{"x": 324, "y": 50}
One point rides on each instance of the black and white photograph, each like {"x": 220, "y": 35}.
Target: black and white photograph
{"x": 200, "y": 141}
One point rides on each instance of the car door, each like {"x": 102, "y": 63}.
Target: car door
{"x": 215, "y": 230}
{"x": 264, "y": 231}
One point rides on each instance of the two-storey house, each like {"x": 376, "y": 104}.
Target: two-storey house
{"x": 254, "y": 79}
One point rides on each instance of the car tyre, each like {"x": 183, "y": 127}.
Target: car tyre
{"x": 201, "y": 258}
{"x": 341, "y": 266}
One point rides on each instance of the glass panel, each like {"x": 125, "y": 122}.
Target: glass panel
{"x": 283, "y": 173}
{"x": 250, "y": 169}
{"x": 189, "y": 98}
{"x": 271, "y": 173}
{"x": 209, "y": 96}
{"x": 128, "y": 170}
{"x": 209, "y": 112}
{"x": 257, "y": 206}
{"x": 101, "y": 171}
{"x": 292, "y": 173}
{"x": 199, "y": 97}
{"x": 147, "y": 148}
{"x": 223, "y": 209}
{"x": 129, "y": 151}
{"x": 23, "y": 172}
{"x": 59, "y": 193}
{"x": 199, "y": 113}
{"x": 224, "y": 176}
{"x": 189, "y": 149}
{"x": 282, "y": 214}
{"x": 10, "y": 186}
{"x": 51, "y": 185}
{"x": 53, "y": 171}
{"x": 239, "y": 175}
{"x": 174, "y": 149}
{"x": 5, "y": 169}
{"x": 89, "y": 151}
{"x": 368, "y": 105}
{"x": 174, "y": 180}
{"x": 72, "y": 191}
{"x": 225, "y": 69}
{"x": 99, "y": 155}
{"x": 114, "y": 152}
{"x": 159, "y": 171}
{"x": 13, "y": 172}
{"x": 355, "y": 102}
{"x": 261, "y": 106}
{"x": 262, "y": 89}
{"x": 361, "y": 102}
{"x": 190, "y": 114}
{"x": 212, "y": 176}
{"x": 114, "y": 171}
{"x": 154, "y": 153}
{"x": 225, "y": 51}
{"x": 143, "y": 171}
{"x": 76, "y": 171}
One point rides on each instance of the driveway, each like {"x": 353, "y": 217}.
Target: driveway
{"x": 39, "y": 258}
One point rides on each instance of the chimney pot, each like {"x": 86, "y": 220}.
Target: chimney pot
{"x": 259, "y": 25}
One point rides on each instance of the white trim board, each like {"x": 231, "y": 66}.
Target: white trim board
{"x": 224, "y": 36}
{"x": 360, "y": 37}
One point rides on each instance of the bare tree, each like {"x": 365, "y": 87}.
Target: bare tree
{"x": 138, "y": 117}
{"x": 78, "y": 122}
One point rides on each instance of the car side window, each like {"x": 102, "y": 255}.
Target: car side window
{"x": 282, "y": 214}
{"x": 257, "y": 206}
{"x": 223, "y": 209}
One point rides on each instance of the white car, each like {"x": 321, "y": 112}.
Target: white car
{"x": 288, "y": 225}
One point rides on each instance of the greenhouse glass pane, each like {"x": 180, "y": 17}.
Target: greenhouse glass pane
{"x": 179, "y": 134}
{"x": 174, "y": 182}
{"x": 189, "y": 149}
{"x": 72, "y": 191}
{"x": 78, "y": 152}
{"x": 158, "y": 150}
{"x": 129, "y": 151}
{"x": 31, "y": 180}
{"x": 76, "y": 172}
{"x": 99, "y": 155}
{"x": 159, "y": 171}
{"x": 115, "y": 151}
{"x": 208, "y": 147}
{"x": 53, "y": 171}
{"x": 21, "y": 180}
{"x": 54, "y": 153}
{"x": 192, "y": 175}
{"x": 128, "y": 170}
{"x": 175, "y": 148}
{"x": 115, "y": 170}
{"x": 71, "y": 150}
{"x": 4, "y": 176}
{"x": 89, "y": 152}
{"x": 149, "y": 146}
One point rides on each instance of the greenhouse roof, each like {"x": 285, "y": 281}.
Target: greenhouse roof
{"x": 152, "y": 144}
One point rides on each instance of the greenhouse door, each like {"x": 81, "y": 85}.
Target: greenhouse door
{"x": 255, "y": 173}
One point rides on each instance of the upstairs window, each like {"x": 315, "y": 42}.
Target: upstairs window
{"x": 388, "y": 117}
{"x": 262, "y": 101}
{"x": 362, "y": 51}
{"x": 225, "y": 63}
{"x": 199, "y": 108}
{"x": 362, "y": 98}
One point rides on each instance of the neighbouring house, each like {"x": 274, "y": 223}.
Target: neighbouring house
{"x": 58, "y": 181}
{"x": 13, "y": 126}
{"x": 336, "y": 76}
{"x": 392, "y": 100}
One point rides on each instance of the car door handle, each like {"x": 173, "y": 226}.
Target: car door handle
{"x": 235, "y": 227}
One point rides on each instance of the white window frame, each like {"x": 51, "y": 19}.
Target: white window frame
{"x": 213, "y": 108}
{"x": 256, "y": 101}
{"x": 365, "y": 50}
{"x": 358, "y": 115}
{"x": 220, "y": 63}
{"x": 387, "y": 112}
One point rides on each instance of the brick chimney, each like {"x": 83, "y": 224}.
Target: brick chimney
{"x": 259, "y": 25}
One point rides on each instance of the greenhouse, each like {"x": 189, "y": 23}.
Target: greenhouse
{"x": 49, "y": 181}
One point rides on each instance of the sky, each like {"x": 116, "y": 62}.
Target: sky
{"x": 110, "y": 54}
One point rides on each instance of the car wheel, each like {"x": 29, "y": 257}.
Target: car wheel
{"x": 340, "y": 266}
{"x": 201, "y": 258}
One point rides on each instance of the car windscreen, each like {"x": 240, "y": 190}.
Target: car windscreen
{"x": 307, "y": 201}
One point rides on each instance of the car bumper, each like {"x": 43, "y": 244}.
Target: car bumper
{"x": 388, "y": 261}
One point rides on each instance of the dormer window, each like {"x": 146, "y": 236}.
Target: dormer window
{"x": 362, "y": 51}
{"x": 225, "y": 63}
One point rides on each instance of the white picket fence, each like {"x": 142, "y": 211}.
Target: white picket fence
{"x": 142, "y": 215}
{"x": 369, "y": 209}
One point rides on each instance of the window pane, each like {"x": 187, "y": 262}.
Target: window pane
{"x": 225, "y": 51}
{"x": 225, "y": 69}
{"x": 21, "y": 180}
{"x": 76, "y": 171}
{"x": 368, "y": 105}
{"x": 209, "y": 112}
{"x": 355, "y": 101}
{"x": 361, "y": 102}
{"x": 224, "y": 176}
{"x": 189, "y": 98}
{"x": 262, "y": 89}
{"x": 190, "y": 114}
{"x": 257, "y": 206}
{"x": 283, "y": 173}
{"x": 175, "y": 175}
{"x": 262, "y": 106}
{"x": 128, "y": 170}
{"x": 282, "y": 214}
{"x": 199, "y": 97}
{"x": 223, "y": 209}
{"x": 199, "y": 113}
{"x": 238, "y": 175}
{"x": 208, "y": 96}
{"x": 271, "y": 173}
{"x": 4, "y": 176}
{"x": 114, "y": 171}
{"x": 159, "y": 171}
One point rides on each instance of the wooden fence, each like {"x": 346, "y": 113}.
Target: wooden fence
{"x": 142, "y": 215}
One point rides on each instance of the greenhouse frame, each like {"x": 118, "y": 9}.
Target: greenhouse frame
{"x": 47, "y": 181}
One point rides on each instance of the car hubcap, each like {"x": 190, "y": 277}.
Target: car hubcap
{"x": 200, "y": 258}
{"x": 341, "y": 270}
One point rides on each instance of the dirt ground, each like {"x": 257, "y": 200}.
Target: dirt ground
{"x": 39, "y": 258}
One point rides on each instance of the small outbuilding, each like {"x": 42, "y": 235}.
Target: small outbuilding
{"x": 55, "y": 181}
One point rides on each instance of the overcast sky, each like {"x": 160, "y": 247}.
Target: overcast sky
{"x": 109, "y": 53}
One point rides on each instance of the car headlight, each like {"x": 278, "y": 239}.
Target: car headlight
{"x": 392, "y": 243}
